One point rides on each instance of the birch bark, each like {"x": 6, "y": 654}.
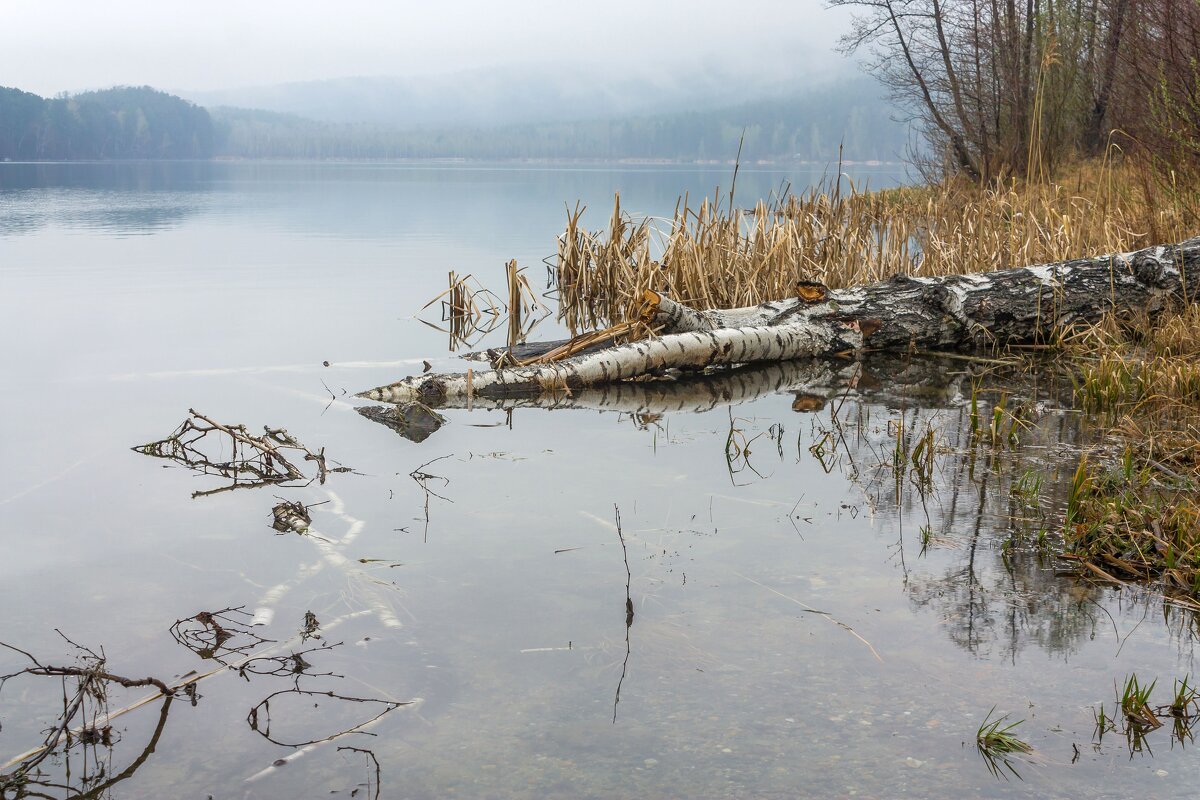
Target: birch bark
{"x": 957, "y": 312}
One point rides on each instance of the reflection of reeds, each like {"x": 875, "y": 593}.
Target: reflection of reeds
{"x": 467, "y": 308}
{"x": 523, "y": 303}
{"x": 470, "y": 311}
{"x": 712, "y": 255}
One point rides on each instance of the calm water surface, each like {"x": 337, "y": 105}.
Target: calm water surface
{"x": 806, "y": 625}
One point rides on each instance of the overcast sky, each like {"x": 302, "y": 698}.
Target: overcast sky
{"x": 49, "y": 46}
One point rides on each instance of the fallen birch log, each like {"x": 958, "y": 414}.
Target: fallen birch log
{"x": 1015, "y": 306}
{"x": 813, "y": 382}
{"x": 695, "y": 394}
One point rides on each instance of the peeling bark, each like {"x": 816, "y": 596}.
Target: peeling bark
{"x": 1028, "y": 304}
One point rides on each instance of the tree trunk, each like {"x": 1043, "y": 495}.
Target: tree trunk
{"x": 940, "y": 381}
{"x": 1029, "y": 304}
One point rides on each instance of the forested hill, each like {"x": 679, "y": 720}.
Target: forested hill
{"x": 808, "y": 126}
{"x": 125, "y": 122}
{"x": 131, "y": 123}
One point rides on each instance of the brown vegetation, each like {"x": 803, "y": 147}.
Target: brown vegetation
{"x": 711, "y": 256}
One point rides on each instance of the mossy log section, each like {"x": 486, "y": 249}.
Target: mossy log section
{"x": 957, "y": 312}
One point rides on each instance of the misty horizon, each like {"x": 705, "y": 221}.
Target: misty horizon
{"x": 227, "y": 46}
{"x": 618, "y": 81}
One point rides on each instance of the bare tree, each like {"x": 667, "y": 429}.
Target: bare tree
{"x": 1001, "y": 87}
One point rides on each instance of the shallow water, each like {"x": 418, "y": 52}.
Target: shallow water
{"x": 805, "y": 624}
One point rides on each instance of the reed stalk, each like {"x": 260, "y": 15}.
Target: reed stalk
{"x": 713, "y": 254}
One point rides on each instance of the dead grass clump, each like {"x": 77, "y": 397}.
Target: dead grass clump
{"x": 1150, "y": 368}
{"x": 470, "y": 311}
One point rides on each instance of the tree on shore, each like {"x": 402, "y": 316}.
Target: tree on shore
{"x": 1001, "y": 87}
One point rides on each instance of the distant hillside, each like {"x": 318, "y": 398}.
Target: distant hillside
{"x": 493, "y": 97}
{"x": 128, "y": 122}
{"x": 808, "y": 127}
{"x": 124, "y": 122}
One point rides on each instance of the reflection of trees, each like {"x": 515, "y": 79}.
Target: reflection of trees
{"x": 970, "y": 457}
{"x": 984, "y": 520}
{"x": 965, "y": 454}
{"x": 121, "y": 198}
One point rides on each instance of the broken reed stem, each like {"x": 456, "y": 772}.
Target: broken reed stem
{"x": 628, "y": 573}
{"x": 585, "y": 340}
{"x": 628, "y": 612}
{"x": 514, "y": 303}
{"x": 472, "y": 311}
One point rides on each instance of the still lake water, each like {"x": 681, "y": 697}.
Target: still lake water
{"x": 805, "y": 624}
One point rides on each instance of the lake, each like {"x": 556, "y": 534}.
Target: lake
{"x": 813, "y": 616}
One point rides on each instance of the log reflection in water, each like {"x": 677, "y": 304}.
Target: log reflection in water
{"x": 924, "y": 380}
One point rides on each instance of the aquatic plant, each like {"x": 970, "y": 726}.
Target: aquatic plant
{"x": 1134, "y": 701}
{"x": 996, "y": 742}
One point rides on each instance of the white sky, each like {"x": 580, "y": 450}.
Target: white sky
{"x": 48, "y": 46}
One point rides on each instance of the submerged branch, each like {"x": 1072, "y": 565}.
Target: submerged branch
{"x": 252, "y": 461}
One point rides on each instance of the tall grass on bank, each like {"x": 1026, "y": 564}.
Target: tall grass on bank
{"x": 1134, "y": 514}
{"x": 713, "y": 254}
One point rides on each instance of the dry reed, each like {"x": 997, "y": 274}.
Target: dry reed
{"x": 713, "y": 256}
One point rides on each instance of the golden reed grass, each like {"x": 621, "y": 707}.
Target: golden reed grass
{"x": 713, "y": 256}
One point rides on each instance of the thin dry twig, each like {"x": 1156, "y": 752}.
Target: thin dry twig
{"x": 422, "y": 478}
{"x": 218, "y": 635}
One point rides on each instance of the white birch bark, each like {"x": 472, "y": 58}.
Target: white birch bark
{"x": 954, "y": 312}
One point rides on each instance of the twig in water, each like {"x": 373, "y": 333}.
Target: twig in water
{"x": 259, "y": 718}
{"x": 91, "y": 688}
{"x": 375, "y": 761}
{"x": 628, "y": 612}
{"x": 217, "y": 635}
{"x": 422, "y": 478}
{"x": 253, "y": 461}
{"x": 812, "y": 610}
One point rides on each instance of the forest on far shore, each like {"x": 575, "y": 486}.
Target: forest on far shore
{"x": 123, "y": 122}
{"x": 846, "y": 118}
